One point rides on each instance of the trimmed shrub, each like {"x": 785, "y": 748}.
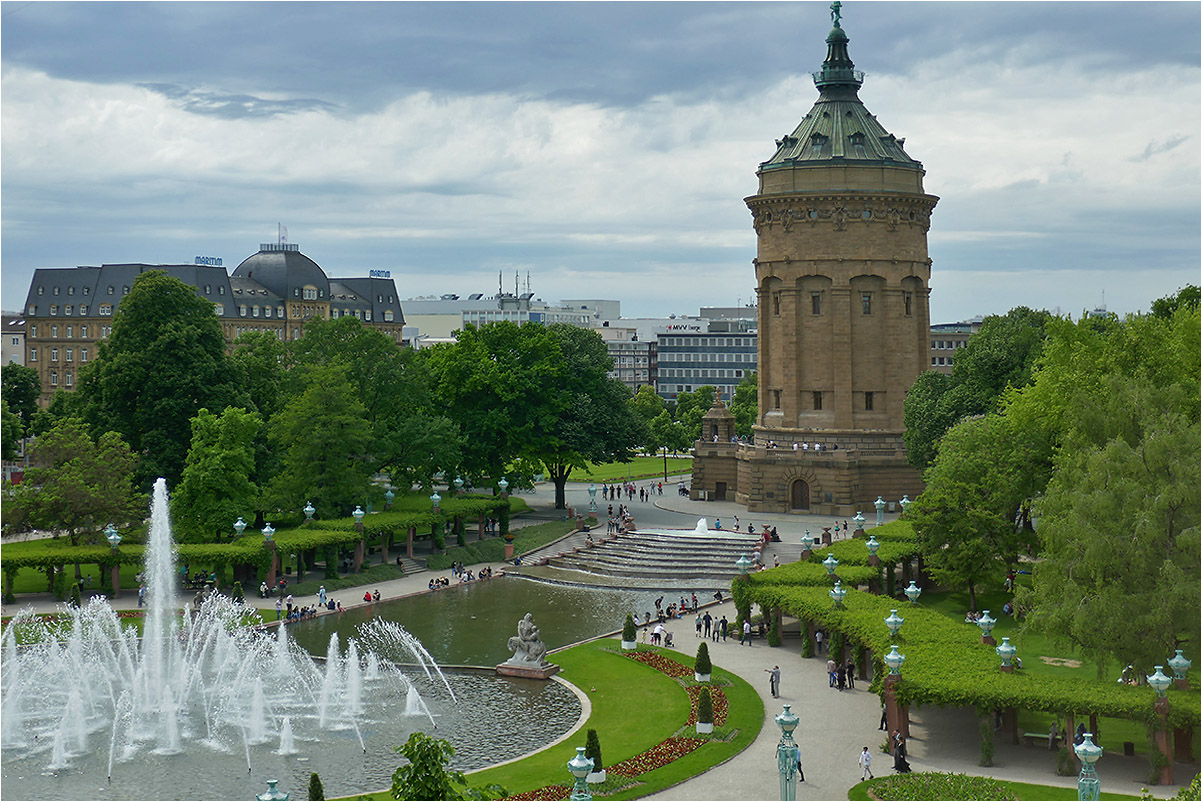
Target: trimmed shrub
{"x": 938, "y": 785}
{"x": 629, "y": 632}
{"x": 237, "y": 595}
{"x": 331, "y": 553}
{"x": 592, "y": 749}
{"x": 76, "y": 596}
{"x": 60, "y": 583}
{"x": 315, "y": 789}
{"x": 702, "y": 664}
{"x": 705, "y": 706}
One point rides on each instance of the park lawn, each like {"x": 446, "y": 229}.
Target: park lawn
{"x": 33, "y": 580}
{"x": 637, "y": 468}
{"x": 634, "y": 707}
{"x": 1022, "y": 791}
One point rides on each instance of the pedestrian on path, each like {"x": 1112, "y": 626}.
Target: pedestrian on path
{"x": 865, "y": 765}
{"x": 818, "y": 638}
{"x": 699, "y": 625}
{"x": 851, "y": 675}
{"x": 774, "y": 681}
{"x": 724, "y": 625}
{"x": 279, "y": 604}
{"x": 746, "y": 633}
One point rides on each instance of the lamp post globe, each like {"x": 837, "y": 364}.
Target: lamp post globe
{"x": 580, "y": 766}
{"x": 1159, "y": 682}
{"x": 458, "y": 484}
{"x": 913, "y": 592}
{"x": 905, "y": 503}
{"x": 239, "y": 526}
{"x": 859, "y": 519}
{"x": 894, "y": 660}
{"x": 1089, "y": 787}
{"x": 268, "y": 532}
{"x": 880, "y": 505}
{"x": 872, "y": 546}
{"x": 388, "y": 497}
{"x": 742, "y": 564}
{"x": 831, "y": 564}
{"x": 273, "y": 794}
{"x": 592, "y": 497}
{"x": 503, "y": 486}
{"x": 807, "y": 541}
{"x": 435, "y": 499}
{"x": 112, "y": 536}
{"x": 358, "y": 514}
{"x": 308, "y": 511}
{"x": 894, "y": 622}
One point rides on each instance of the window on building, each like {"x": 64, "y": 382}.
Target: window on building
{"x": 83, "y": 354}
{"x": 242, "y": 311}
{"x": 86, "y": 291}
{"x": 125, "y": 290}
{"x": 776, "y": 399}
{"x": 41, "y": 290}
{"x": 110, "y": 289}
{"x": 106, "y": 309}
{"x": 815, "y": 303}
{"x": 70, "y": 332}
{"x": 817, "y": 399}
{"x": 208, "y": 289}
{"x": 254, "y": 311}
{"x": 279, "y": 311}
{"x": 70, "y": 352}
{"x": 33, "y": 329}
{"x": 221, "y": 289}
{"x": 83, "y": 310}
{"x": 68, "y": 378}
{"x": 908, "y": 300}
{"x": 56, "y": 290}
{"x": 367, "y": 315}
{"x": 387, "y": 315}
{"x": 53, "y": 354}
{"x": 54, "y": 332}
{"x": 33, "y": 354}
{"x": 866, "y": 302}
{"x": 776, "y": 304}
{"x": 33, "y": 310}
{"x": 53, "y": 309}
{"x": 310, "y": 294}
{"x": 932, "y": 361}
{"x": 219, "y": 309}
{"x": 868, "y": 399}
{"x": 16, "y": 340}
{"x": 54, "y": 378}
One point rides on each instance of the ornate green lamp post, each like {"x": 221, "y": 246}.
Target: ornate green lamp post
{"x": 831, "y": 564}
{"x": 880, "y": 505}
{"x": 503, "y": 486}
{"x": 458, "y": 485}
{"x": 1006, "y": 651}
{"x": 239, "y": 526}
{"x": 742, "y": 564}
{"x": 788, "y": 755}
{"x": 905, "y": 503}
{"x": 268, "y": 533}
{"x": 894, "y": 660}
{"x": 435, "y": 499}
{"x": 580, "y": 766}
{"x": 859, "y": 519}
{"x": 308, "y": 511}
{"x": 986, "y": 624}
{"x": 1088, "y": 785}
{"x": 388, "y": 497}
{"x": 1180, "y": 664}
{"x": 913, "y": 592}
{"x": 114, "y": 539}
{"x": 358, "y": 516}
{"x": 592, "y": 497}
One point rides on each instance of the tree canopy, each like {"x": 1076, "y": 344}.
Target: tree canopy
{"x": 21, "y": 388}
{"x": 217, "y": 485}
{"x": 164, "y": 361}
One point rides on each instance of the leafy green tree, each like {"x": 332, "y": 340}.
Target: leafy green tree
{"x": 76, "y": 484}
{"x": 257, "y": 359}
{"x": 412, "y": 438}
{"x": 745, "y": 405}
{"x": 691, "y": 408}
{"x": 163, "y": 362}
{"x": 20, "y": 387}
{"x": 499, "y": 383}
{"x": 594, "y": 419}
{"x": 1119, "y": 522}
{"x": 966, "y": 517}
{"x": 1188, "y": 296}
{"x": 425, "y": 776}
{"x": 1001, "y": 354}
{"x": 667, "y": 436}
{"x": 11, "y": 430}
{"x": 216, "y": 487}
{"x": 648, "y": 403}
{"x": 323, "y": 437}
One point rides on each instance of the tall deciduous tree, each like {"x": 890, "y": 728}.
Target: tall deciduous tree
{"x": 596, "y": 420}
{"x": 691, "y": 408}
{"x": 164, "y": 361}
{"x": 21, "y": 388}
{"x": 216, "y": 487}
{"x": 323, "y": 437}
{"x": 745, "y": 405}
{"x": 75, "y": 484}
{"x": 966, "y": 517}
{"x": 11, "y": 430}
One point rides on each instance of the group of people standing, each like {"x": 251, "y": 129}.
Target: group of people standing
{"x": 615, "y": 491}
{"x": 842, "y": 677}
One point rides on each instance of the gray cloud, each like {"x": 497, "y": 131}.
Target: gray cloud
{"x": 234, "y": 106}
{"x": 1156, "y": 147}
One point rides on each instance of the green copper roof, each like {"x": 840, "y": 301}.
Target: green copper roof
{"x": 838, "y": 129}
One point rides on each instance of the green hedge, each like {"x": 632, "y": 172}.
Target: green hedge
{"x": 946, "y": 663}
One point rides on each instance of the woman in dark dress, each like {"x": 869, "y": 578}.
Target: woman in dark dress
{"x": 899, "y": 754}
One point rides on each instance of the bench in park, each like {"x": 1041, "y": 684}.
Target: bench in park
{"x": 1045, "y": 739}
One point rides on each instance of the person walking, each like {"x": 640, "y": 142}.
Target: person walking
{"x": 851, "y": 675}
{"x": 830, "y": 672}
{"x": 723, "y": 625}
{"x": 774, "y": 681}
{"x": 699, "y": 622}
{"x": 865, "y": 765}
{"x": 707, "y": 623}
{"x": 818, "y": 639}
{"x": 279, "y": 604}
{"x": 746, "y": 633}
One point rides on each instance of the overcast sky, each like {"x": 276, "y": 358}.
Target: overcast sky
{"x": 605, "y": 149}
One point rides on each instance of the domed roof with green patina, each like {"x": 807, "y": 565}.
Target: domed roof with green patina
{"x": 839, "y": 129}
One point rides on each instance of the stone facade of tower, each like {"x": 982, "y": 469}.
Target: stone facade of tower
{"x": 842, "y": 278}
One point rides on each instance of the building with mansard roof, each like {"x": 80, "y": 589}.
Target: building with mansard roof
{"x": 277, "y": 290}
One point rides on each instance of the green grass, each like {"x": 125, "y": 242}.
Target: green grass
{"x": 637, "y": 468}
{"x": 1021, "y": 791}
{"x": 634, "y": 708}
{"x": 492, "y": 549}
{"x": 31, "y": 580}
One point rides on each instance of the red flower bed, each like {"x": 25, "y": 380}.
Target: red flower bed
{"x": 657, "y": 756}
{"x": 721, "y": 706}
{"x": 546, "y": 792}
{"x": 661, "y": 663}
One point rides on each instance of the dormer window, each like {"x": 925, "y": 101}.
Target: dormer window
{"x": 857, "y": 144}
{"x": 816, "y": 143}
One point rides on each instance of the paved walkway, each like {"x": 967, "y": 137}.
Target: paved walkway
{"x": 835, "y": 725}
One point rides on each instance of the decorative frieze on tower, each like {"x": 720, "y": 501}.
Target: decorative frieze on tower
{"x": 842, "y": 276}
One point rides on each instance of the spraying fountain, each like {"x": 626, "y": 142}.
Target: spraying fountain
{"x": 201, "y": 703}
